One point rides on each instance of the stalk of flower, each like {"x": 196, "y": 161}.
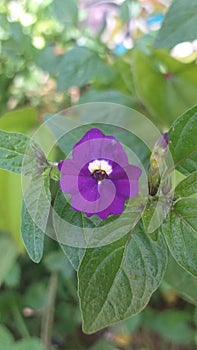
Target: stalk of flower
{"x": 99, "y": 177}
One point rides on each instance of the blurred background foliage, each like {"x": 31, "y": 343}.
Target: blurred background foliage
{"x": 55, "y": 54}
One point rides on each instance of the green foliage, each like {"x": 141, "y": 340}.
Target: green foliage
{"x": 81, "y": 65}
{"x": 184, "y": 283}
{"x": 160, "y": 81}
{"x": 179, "y": 24}
{"x": 120, "y": 268}
{"x": 134, "y": 266}
{"x": 183, "y": 145}
{"x": 33, "y": 236}
{"x": 180, "y": 230}
{"x": 13, "y": 148}
{"x": 188, "y": 186}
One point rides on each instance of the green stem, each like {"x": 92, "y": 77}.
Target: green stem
{"x": 48, "y": 313}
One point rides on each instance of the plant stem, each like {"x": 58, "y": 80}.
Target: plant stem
{"x": 48, "y": 313}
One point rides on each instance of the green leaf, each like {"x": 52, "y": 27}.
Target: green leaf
{"x": 34, "y": 215}
{"x": 30, "y": 344}
{"x": 180, "y": 232}
{"x": 179, "y": 24}
{"x": 57, "y": 262}
{"x": 167, "y": 87}
{"x": 13, "y": 147}
{"x": 116, "y": 281}
{"x": 188, "y": 186}
{"x": 79, "y": 66}
{"x": 65, "y": 11}
{"x": 173, "y": 325}
{"x": 6, "y": 338}
{"x": 181, "y": 281}
{"x": 21, "y": 120}
{"x": 8, "y": 255}
{"x": 33, "y": 237}
{"x": 74, "y": 254}
{"x": 47, "y": 60}
{"x": 183, "y": 142}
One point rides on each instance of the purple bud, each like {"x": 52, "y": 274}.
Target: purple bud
{"x": 163, "y": 141}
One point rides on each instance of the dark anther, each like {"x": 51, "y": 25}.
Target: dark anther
{"x": 99, "y": 175}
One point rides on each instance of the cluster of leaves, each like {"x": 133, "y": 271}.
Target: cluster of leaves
{"x": 98, "y": 72}
{"x": 117, "y": 280}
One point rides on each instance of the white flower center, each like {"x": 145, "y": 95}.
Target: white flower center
{"x": 100, "y": 165}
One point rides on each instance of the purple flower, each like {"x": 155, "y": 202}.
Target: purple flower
{"x": 98, "y": 176}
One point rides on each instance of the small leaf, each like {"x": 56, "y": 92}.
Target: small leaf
{"x": 13, "y": 147}
{"x": 181, "y": 281}
{"x": 188, "y": 186}
{"x": 35, "y": 213}
{"x": 179, "y": 24}
{"x": 180, "y": 232}
{"x": 183, "y": 142}
{"x": 116, "y": 281}
{"x": 33, "y": 237}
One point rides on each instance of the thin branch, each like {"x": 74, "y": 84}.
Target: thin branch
{"x": 48, "y": 313}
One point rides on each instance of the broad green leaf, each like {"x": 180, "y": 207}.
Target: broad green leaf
{"x": 33, "y": 237}
{"x": 179, "y": 24}
{"x": 13, "y": 147}
{"x": 167, "y": 87}
{"x": 183, "y": 142}
{"x": 34, "y": 215}
{"x": 116, "y": 281}
{"x": 181, "y": 281}
{"x": 81, "y": 65}
{"x": 8, "y": 255}
{"x": 180, "y": 232}
{"x": 188, "y": 186}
